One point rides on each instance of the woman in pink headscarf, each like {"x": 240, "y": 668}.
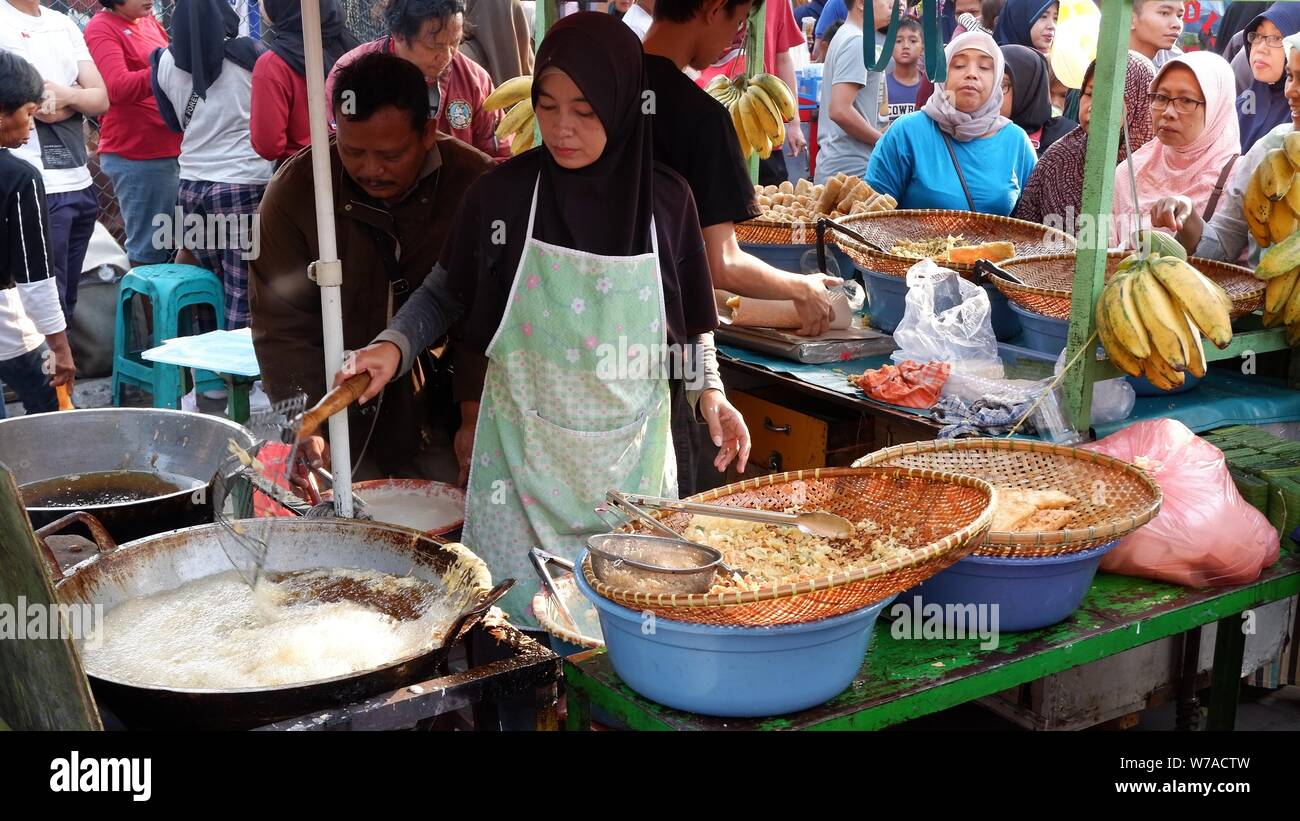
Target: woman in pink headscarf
{"x": 1196, "y": 145}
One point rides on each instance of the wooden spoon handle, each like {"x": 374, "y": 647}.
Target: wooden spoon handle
{"x": 331, "y": 403}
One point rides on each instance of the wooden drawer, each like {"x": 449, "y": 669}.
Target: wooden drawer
{"x": 783, "y": 439}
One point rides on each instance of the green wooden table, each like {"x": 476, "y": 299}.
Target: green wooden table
{"x": 905, "y": 679}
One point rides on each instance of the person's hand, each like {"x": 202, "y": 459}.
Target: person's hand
{"x": 313, "y": 452}
{"x": 380, "y": 360}
{"x": 794, "y": 139}
{"x": 727, "y": 430}
{"x": 814, "y": 304}
{"x": 463, "y": 443}
{"x": 59, "y": 96}
{"x": 59, "y": 365}
{"x": 1171, "y": 213}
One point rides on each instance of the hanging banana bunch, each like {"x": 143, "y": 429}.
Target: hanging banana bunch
{"x": 520, "y": 120}
{"x": 760, "y": 107}
{"x": 1151, "y": 316}
{"x": 1272, "y": 209}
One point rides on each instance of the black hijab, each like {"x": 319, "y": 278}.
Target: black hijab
{"x": 1031, "y": 104}
{"x": 604, "y": 208}
{"x": 286, "y": 33}
{"x": 204, "y": 34}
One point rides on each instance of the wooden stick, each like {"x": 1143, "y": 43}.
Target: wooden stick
{"x": 336, "y": 400}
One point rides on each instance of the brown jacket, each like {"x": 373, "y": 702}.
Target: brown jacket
{"x": 286, "y": 304}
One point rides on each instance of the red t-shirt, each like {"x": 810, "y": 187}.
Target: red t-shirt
{"x": 132, "y": 127}
{"x": 781, "y": 33}
{"x": 279, "y": 121}
{"x": 462, "y": 88}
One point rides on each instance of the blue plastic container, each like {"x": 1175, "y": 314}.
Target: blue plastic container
{"x": 887, "y": 301}
{"x": 1029, "y": 593}
{"x": 735, "y": 671}
{"x": 1142, "y": 387}
{"x": 790, "y": 256}
{"x": 1041, "y": 333}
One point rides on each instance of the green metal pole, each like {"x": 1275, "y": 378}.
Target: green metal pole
{"x": 753, "y": 66}
{"x": 1098, "y": 180}
{"x": 544, "y": 16}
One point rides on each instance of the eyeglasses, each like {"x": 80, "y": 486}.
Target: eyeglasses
{"x": 1270, "y": 40}
{"x": 1183, "y": 105}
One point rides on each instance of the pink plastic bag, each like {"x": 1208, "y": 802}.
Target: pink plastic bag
{"x": 1205, "y": 535}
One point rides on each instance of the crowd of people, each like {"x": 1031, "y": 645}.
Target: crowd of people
{"x": 481, "y": 290}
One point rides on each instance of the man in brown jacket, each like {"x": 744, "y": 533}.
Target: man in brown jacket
{"x": 397, "y": 187}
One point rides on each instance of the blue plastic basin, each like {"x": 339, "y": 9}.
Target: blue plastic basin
{"x": 1029, "y": 593}
{"x": 1142, "y": 387}
{"x": 1041, "y": 333}
{"x": 735, "y": 671}
{"x": 887, "y": 301}
{"x": 790, "y": 256}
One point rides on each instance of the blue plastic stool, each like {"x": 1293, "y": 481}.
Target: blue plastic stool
{"x": 170, "y": 288}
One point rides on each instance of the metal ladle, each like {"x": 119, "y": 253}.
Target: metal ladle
{"x": 814, "y": 522}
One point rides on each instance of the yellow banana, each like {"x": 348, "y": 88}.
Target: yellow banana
{"x": 1276, "y": 293}
{"x": 515, "y": 118}
{"x": 1280, "y": 259}
{"x": 1281, "y": 222}
{"x": 1292, "y": 199}
{"x": 1293, "y": 334}
{"x": 524, "y": 140}
{"x": 1200, "y": 296}
{"x": 1161, "y": 319}
{"x": 1275, "y": 174}
{"x": 745, "y": 147}
{"x": 509, "y": 93}
{"x": 1165, "y": 377}
{"x": 1122, "y": 317}
{"x": 1291, "y": 314}
{"x": 1195, "y": 350}
{"x": 1291, "y": 145}
{"x": 1115, "y": 352}
{"x": 780, "y": 94}
{"x": 1257, "y": 209}
{"x": 753, "y": 131}
{"x": 768, "y": 114}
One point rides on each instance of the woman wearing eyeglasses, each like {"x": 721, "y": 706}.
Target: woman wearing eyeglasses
{"x": 1197, "y": 142}
{"x": 1226, "y": 236}
{"x": 1263, "y": 106}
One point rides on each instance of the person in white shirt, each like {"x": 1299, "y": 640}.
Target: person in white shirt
{"x": 73, "y": 90}
{"x": 1157, "y": 25}
{"x": 34, "y": 352}
{"x": 204, "y": 85}
{"x": 640, "y": 16}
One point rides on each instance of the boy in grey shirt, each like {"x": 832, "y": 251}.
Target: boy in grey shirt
{"x": 854, "y": 106}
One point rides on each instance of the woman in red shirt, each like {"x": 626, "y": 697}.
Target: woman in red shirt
{"x": 280, "y": 124}
{"x": 136, "y": 151}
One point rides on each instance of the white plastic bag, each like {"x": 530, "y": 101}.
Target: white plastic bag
{"x": 1112, "y": 399}
{"x": 947, "y": 319}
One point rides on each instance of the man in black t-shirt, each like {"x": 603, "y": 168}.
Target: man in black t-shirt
{"x": 695, "y": 137}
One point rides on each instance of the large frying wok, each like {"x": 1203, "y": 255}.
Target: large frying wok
{"x": 51, "y": 445}
{"x": 169, "y": 560}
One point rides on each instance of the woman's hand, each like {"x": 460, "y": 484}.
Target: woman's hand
{"x": 814, "y": 304}
{"x": 380, "y": 360}
{"x": 727, "y": 429}
{"x": 1171, "y": 213}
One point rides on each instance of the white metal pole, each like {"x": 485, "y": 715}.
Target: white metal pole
{"x": 328, "y": 269}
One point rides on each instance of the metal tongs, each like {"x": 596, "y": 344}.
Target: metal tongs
{"x": 541, "y": 559}
{"x": 815, "y": 522}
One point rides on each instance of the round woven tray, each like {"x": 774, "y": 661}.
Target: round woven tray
{"x": 886, "y": 228}
{"x": 1049, "y": 282}
{"x": 950, "y": 514}
{"x": 1114, "y": 497}
{"x": 762, "y": 232}
{"x": 548, "y": 615}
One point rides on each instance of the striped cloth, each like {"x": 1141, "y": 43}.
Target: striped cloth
{"x": 229, "y": 237}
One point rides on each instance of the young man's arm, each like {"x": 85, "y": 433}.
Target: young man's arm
{"x": 90, "y": 97}
{"x": 844, "y": 114}
{"x": 28, "y": 260}
{"x": 743, "y": 273}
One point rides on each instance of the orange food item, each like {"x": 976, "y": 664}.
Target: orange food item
{"x": 991, "y": 251}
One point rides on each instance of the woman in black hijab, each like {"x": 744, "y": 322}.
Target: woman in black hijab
{"x": 577, "y": 269}
{"x": 280, "y": 122}
{"x": 1026, "y": 100}
{"x": 205, "y": 33}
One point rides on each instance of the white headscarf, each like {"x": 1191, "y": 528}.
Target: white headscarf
{"x": 985, "y": 120}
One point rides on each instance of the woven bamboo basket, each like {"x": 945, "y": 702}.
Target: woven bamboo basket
{"x": 763, "y": 232}
{"x": 1114, "y": 497}
{"x": 549, "y": 617}
{"x": 886, "y": 228}
{"x": 950, "y": 514}
{"x": 1049, "y": 282}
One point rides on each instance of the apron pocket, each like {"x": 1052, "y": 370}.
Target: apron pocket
{"x": 585, "y": 463}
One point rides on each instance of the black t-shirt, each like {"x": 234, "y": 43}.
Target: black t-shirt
{"x": 24, "y": 223}
{"x": 694, "y": 136}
